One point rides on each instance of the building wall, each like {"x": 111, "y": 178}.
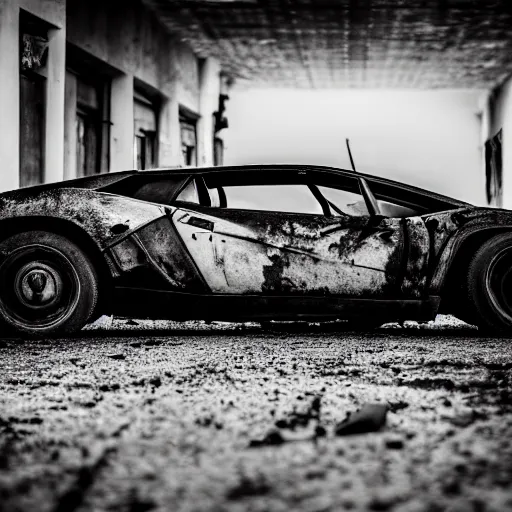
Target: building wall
{"x": 430, "y": 139}
{"x": 52, "y": 12}
{"x": 500, "y": 118}
{"x": 130, "y": 45}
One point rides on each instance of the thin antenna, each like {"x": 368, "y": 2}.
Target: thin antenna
{"x": 350, "y": 155}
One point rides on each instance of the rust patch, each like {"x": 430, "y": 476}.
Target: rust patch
{"x": 154, "y": 257}
{"x": 418, "y": 254}
{"x": 273, "y": 275}
{"x": 453, "y": 228}
{"x": 97, "y": 213}
{"x": 295, "y": 254}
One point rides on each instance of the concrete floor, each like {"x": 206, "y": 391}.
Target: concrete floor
{"x": 134, "y": 420}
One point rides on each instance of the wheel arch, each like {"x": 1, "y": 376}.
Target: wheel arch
{"x": 74, "y": 233}
{"x": 450, "y": 269}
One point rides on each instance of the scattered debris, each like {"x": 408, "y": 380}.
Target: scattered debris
{"x": 116, "y": 356}
{"x": 109, "y": 387}
{"x": 397, "y": 406}
{"x": 273, "y": 438}
{"x": 155, "y": 381}
{"x": 294, "y": 427}
{"x": 257, "y": 486}
{"x": 320, "y": 431}
{"x": 370, "y": 418}
{"x": 465, "y": 419}
{"x": 301, "y": 419}
{"x": 394, "y": 443}
{"x": 428, "y": 383}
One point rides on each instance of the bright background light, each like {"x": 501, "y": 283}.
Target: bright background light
{"x": 431, "y": 139}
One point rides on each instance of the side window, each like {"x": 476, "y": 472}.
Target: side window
{"x": 294, "y": 198}
{"x": 189, "y": 194}
{"x": 343, "y": 202}
{"x": 214, "y": 197}
{"x": 395, "y": 210}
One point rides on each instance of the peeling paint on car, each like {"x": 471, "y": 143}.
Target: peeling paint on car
{"x": 418, "y": 253}
{"x": 293, "y": 254}
{"x": 154, "y": 257}
{"x": 453, "y": 228}
{"x": 97, "y": 213}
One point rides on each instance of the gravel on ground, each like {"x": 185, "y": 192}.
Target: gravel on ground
{"x": 131, "y": 416}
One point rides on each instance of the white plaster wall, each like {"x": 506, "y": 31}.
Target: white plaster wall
{"x": 430, "y": 139}
{"x": 501, "y": 118}
{"x": 9, "y": 96}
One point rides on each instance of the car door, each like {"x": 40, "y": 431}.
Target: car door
{"x": 271, "y": 234}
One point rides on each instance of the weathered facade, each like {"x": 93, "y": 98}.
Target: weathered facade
{"x": 97, "y": 86}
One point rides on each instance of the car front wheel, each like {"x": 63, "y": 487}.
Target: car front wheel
{"x": 48, "y": 285}
{"x": 489, "y": 285}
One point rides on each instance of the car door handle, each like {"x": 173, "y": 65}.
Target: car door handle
{"x": 201, "y": 223}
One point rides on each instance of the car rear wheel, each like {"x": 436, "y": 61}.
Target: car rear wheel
{"x": 489, "y": 285}
{"x": 48, "y": 285}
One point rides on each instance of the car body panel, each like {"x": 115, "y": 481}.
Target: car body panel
{"x": 449, "y": 230}
{"x": 247, "y": 252}
{"x": 158, "y": 304}
{"x": 154, "y": 257}
{"x": 102, "y": 216}
{"x": 417, "y": 257}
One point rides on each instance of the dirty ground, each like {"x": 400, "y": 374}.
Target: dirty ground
{"x": 236, "y": 419}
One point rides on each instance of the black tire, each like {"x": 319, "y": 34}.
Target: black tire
{"x": 48, "y": 286}
{"x": 488, "y": 285}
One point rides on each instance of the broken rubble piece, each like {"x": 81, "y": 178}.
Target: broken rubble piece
{"x": 370, "y": 418}
{"x": 116, "y": 356}
{"x": 297, "y": 419}
{"x": 397, "y": 406}
{"x": 273, "y": 438}
{"x": 394, "y": 443}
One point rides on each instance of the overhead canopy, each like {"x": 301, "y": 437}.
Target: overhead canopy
{"x": 350, "y": 43}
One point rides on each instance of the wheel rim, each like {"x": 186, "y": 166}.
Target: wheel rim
{"x": 498, "y": 283}
{"x": 39, "y": 287}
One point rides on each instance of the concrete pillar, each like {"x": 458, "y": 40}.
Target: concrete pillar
{"x": 70, "y": 126}
{"x": 121, "y": 116}
{"x": 10, "y": 95}
{"x": 54, "y": 134}
{"x": 484, "y": 114}
{"x": 209, "y": 88}
{"x": 169, "y": 139}
{"x": 506, "y": 145}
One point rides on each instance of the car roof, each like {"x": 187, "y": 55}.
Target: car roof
{"x": 311, "y": 167}
{"x": 99, "y": 181}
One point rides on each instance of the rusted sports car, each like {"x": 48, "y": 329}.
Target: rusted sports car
{"x": 248, "y": 243}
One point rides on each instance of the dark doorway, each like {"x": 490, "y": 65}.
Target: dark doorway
{"x": 33, "y": 54}
{"x": 32, "y": 121}
{"x": 188, "y": 123}
{"x": 494, "y": 170}
{"x": 145, "y": 130}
